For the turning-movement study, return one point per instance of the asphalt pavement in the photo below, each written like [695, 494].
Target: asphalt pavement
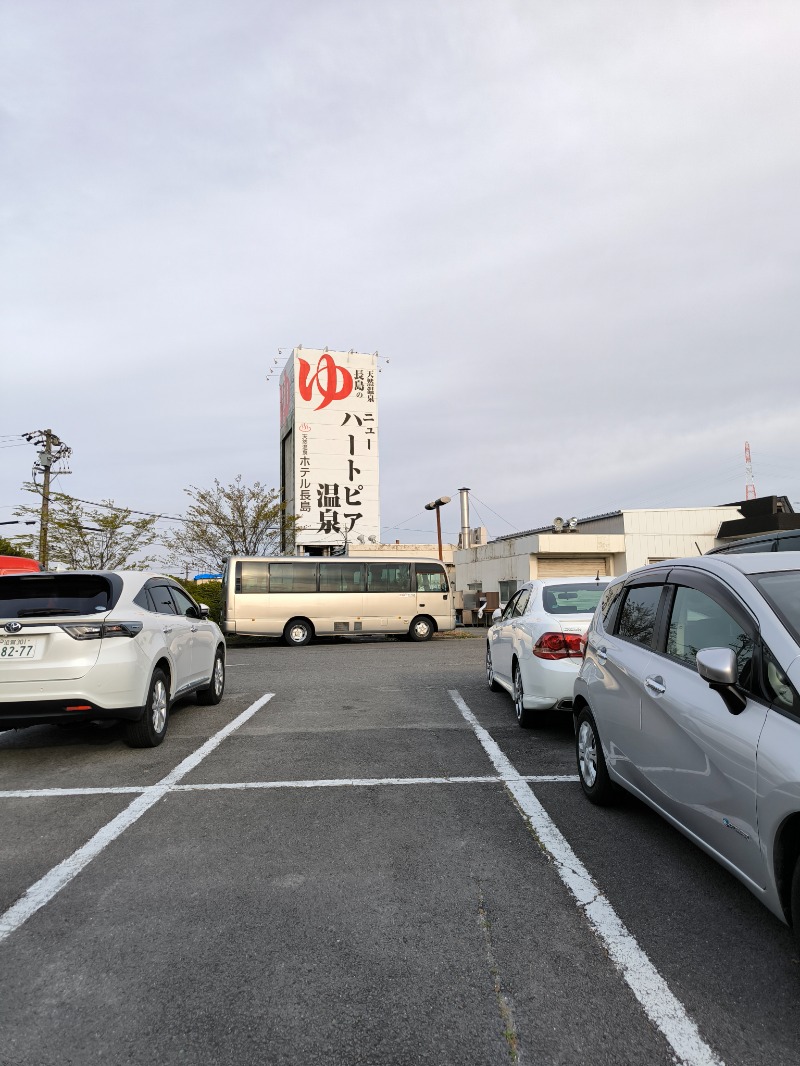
[358, 857]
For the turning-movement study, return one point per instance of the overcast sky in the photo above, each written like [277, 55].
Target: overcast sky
[571, 228]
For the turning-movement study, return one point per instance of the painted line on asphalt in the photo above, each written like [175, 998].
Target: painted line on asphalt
[60, 876]
[217, 786]
[661, 1006]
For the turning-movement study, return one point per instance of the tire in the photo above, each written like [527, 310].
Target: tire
[795, 903]
[524, 716]
[151, 728]
[592, 770]
[211, 695]
[298, 632]
[490, 679]
[421, 628]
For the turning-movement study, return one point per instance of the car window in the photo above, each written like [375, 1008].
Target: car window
[697, 622]
[788, 544]
[430, 577]
[521, 602]
[782, 593]
[574, 598]
[162, 599]
[758, 545]
[38, 595]
[637, 619]
[777, 687]
[184, 603]
[510, 607]
[388, 577]
[608, 602]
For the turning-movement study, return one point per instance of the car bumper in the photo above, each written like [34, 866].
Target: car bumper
[53, 712]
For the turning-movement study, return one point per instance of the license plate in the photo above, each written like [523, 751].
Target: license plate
[19, 648]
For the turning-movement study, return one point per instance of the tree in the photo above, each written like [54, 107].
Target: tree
[225, 520]
[93, 537]
[8, 547]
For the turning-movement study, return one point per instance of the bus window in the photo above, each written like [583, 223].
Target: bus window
[252, 577]
[430, 578]
[341, 577]
[292, 577]
[389, 577]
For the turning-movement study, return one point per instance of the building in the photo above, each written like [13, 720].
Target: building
[608, 545]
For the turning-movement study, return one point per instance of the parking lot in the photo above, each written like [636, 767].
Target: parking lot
[358, 857]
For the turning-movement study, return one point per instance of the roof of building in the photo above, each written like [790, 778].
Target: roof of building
[549, 528]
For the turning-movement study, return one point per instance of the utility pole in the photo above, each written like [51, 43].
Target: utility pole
[51, 449]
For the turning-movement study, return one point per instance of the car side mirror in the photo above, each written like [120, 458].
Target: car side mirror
[718, 666]
[497, 614]
[204, 610]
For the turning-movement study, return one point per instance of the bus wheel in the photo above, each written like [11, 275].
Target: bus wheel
[298, 632]
[421, 628]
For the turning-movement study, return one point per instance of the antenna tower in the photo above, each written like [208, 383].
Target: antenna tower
[749, 484]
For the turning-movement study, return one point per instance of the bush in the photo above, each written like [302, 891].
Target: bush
[208, 592]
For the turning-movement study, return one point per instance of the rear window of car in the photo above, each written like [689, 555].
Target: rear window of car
[574, 598]
[44, 595]
[782, 593]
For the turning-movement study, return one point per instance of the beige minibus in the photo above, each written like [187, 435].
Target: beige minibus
[301, 597]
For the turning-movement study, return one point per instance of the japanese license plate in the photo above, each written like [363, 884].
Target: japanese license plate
[19, 648]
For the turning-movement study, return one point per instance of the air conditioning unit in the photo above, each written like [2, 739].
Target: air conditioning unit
[477, 535]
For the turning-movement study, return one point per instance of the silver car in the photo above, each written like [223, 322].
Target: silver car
[688, 698]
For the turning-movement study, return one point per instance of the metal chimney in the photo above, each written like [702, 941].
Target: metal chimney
[465, 536]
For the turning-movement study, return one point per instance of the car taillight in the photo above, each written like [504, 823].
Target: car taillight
[98, 630]
[584, 642]
[558, 646]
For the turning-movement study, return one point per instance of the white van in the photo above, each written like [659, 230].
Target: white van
[299, 598]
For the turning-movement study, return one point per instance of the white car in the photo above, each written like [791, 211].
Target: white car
[535, 645]
[80, 646]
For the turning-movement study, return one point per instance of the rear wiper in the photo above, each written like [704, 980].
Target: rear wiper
[41, 612]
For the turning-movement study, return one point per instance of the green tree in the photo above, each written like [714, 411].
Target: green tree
[88, 537]
[9, 547]
[225, 520]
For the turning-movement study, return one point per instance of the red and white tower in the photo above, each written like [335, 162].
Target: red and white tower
[749, 484]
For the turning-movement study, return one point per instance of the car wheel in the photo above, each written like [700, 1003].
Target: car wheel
[524, 716]
[298, 632]
[490, 678]
[213, 693]
[421, 628]
[151, 728]
[795, 902]
[592, 770]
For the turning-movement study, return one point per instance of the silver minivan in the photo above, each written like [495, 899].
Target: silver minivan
[688, 698]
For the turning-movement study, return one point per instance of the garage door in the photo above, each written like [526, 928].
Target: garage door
[572, 566]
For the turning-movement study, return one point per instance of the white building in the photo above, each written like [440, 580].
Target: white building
[609, 544]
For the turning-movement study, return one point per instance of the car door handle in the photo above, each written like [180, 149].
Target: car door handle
[195, 628]
[601, 656]
[655, 685]
[167, 629]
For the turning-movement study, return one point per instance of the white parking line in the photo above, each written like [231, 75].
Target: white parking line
[48, 886]
[352, 782]
[663, 1009]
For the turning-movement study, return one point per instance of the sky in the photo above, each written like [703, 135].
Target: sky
[570, 229]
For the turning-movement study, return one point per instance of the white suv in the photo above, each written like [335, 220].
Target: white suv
[79, 646]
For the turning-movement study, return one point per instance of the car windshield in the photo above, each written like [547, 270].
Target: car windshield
[574, 598]
[782, 593]
[47, 595]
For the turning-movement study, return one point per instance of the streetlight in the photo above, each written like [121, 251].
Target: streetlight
[435, 505]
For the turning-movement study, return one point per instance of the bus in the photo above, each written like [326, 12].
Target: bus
[299, 598]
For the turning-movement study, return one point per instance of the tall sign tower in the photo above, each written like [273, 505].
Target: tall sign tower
[329, 448]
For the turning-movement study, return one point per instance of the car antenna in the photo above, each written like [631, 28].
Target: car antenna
[698, 548]
[597, 578]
